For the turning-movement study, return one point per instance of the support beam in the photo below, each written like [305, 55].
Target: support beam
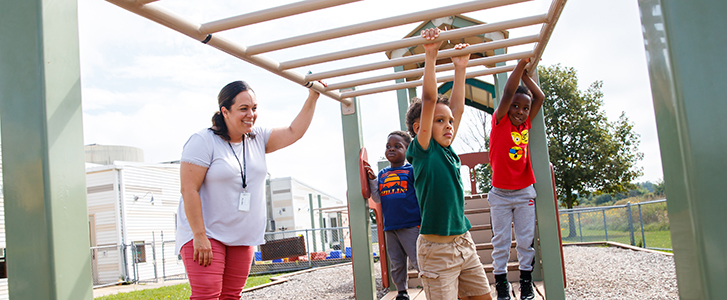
[685, 45]
[358, 209]
[379, 24]
[393, 63]
[44, 182]
[402, 101]
[412, 41]
[269, 14]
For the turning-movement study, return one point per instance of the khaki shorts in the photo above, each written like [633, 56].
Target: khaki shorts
[451, 269]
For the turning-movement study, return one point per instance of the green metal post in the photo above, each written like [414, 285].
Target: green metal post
[548, 250]
[320, 223]
[46, 219]
[403, 100]
[685, 45]
[500, 80]
[312, 221]
[358, 208]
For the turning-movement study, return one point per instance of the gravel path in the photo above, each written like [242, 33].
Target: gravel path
[592, 273]
[616, 273]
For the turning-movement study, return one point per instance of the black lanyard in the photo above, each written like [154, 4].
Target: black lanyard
[243, 170]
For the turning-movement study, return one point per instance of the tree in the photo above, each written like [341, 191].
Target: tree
[590, 154]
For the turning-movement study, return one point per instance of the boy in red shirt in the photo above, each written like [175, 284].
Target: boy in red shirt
[512, 197]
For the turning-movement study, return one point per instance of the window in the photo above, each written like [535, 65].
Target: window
[139, 251]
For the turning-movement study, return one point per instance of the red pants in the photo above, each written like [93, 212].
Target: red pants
[224, 278]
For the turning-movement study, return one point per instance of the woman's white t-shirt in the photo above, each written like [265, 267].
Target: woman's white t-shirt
[220, 191]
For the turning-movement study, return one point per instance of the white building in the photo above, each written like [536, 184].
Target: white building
[294, 205]
[133, 203]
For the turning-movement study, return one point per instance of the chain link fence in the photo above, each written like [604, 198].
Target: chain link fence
[283, 251]
[644, 224]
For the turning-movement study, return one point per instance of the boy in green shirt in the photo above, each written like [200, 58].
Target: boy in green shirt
[448, 262]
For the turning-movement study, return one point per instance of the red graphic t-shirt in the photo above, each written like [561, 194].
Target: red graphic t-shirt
[509, 159]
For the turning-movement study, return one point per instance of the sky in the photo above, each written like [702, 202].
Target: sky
[147, 86]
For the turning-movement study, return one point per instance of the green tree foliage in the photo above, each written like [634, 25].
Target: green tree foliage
[590, 154]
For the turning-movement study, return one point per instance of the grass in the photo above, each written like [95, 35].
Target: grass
[654, 239]
[179, 291]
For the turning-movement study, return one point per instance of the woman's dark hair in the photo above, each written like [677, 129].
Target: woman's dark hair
[225, 99]
[404, 136]
[415, 111]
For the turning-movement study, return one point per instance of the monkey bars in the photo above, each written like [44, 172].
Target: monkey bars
[210, 34]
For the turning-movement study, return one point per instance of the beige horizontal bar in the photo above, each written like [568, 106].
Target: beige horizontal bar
[451, 34]
[554, 12]
[270, 14]
[163, 16]
[178, 23]
[378, 24]
[416, 83]
[420, 58]
[439, 68]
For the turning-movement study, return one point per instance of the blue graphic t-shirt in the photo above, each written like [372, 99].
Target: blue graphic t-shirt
[398, 198]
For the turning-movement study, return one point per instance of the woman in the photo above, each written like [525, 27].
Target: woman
[222, 212]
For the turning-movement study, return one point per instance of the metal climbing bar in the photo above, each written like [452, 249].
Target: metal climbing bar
[270, 14]
[178, 23]
[416, 83]
[378, 24]
[439, 68]
[556, 8]
[446, 35]
[420, 58]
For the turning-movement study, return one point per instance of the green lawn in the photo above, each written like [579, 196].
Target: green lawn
[654, 239]
[179, 291]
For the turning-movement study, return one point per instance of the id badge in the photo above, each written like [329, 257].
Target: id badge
[244, 202]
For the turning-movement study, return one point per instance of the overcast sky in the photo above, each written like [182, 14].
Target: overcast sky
[147, 86]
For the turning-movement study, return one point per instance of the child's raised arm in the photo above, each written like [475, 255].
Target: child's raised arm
[456, 101]
[429, 87]
[538, 96]
[510, 87]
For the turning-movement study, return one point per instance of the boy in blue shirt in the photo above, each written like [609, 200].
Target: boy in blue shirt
[394, 189]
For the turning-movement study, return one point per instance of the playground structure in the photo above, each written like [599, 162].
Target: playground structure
[42, 144]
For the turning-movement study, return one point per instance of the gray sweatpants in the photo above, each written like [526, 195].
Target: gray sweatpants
[401, 243]
[509, 207]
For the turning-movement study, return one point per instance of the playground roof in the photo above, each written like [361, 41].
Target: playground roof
[210, 33]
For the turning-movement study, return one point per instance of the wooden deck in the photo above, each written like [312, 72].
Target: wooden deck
[418, 294]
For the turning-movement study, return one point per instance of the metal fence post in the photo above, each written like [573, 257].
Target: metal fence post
[641, 221]
[164, 269]
[133, 262]
[605, 225]
[631, 223]
[307, 241]
[154, 255]
[580, 230]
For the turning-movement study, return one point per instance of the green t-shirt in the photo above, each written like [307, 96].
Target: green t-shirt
[439, 188]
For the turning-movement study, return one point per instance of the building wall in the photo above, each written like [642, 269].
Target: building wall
[291, 210]
[102, 200]
[151, 196]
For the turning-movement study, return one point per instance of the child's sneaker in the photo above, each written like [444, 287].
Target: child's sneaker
[402, 295]
[503, 290]
[526, 290]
